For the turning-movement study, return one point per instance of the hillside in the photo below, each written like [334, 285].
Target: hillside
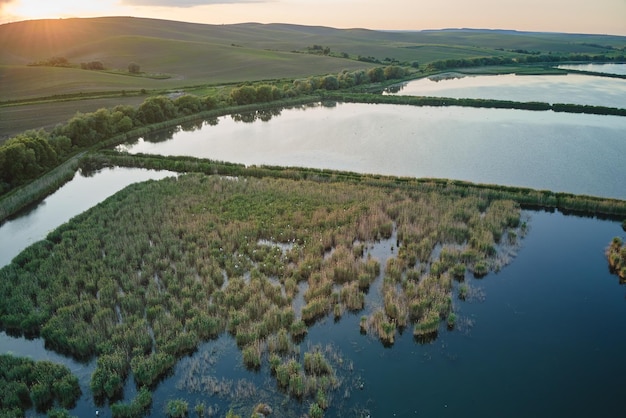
[196, 53]
[177, 55]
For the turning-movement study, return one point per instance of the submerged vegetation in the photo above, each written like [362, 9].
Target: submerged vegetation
[141, 279]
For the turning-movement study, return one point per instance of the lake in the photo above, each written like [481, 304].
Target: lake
[596, 68]
[542, 337]
[562, 152]
[73, 198]
[571, 88]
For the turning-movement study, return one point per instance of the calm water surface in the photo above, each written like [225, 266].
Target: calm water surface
[570, 88]
[581, 154]
[597, 68]
[70, 200]
[543, 337]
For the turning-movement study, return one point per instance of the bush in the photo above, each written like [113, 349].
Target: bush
[177, 408]
[315, 411]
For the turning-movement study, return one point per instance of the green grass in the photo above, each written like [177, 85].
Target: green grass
[176, 55]
[47, 114]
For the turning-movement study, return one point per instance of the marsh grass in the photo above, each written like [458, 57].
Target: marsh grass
[616, 255]
[143, 278]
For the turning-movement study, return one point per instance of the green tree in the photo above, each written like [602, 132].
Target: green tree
[134, 68]
[156, 109]
[376, 74]
[244, 95]
[330, 82]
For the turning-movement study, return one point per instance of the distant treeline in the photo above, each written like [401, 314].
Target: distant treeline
[27, 156]
[525, 59]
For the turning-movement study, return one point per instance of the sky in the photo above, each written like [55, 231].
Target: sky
[573, 16]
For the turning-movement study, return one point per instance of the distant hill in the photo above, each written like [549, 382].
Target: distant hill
[115, 40]
[177, 55]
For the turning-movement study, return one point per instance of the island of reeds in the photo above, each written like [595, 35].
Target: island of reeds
[143, 278]
[616, 254]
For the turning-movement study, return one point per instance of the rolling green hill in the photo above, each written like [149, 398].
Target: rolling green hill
[177, 55]
[196, 53]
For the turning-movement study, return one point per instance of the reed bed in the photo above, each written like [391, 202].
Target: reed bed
[143, 278]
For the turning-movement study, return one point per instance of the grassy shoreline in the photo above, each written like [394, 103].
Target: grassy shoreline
[22, 197]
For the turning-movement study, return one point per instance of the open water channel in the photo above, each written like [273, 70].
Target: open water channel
[545, 336]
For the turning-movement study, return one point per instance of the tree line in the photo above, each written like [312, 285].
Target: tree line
[32, 153]
[249, 94]
[527, 59]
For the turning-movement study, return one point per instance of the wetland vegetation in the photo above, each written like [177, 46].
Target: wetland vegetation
[257, 253]
[214, 254]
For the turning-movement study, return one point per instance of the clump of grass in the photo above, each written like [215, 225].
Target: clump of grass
[463, 291]
[177, 408]
[316, 411]
[298, 329]
[385, 329]
[252, 356]
[363, 324]
[451, 320]
[480, 269]
[352, 297]
[458, 271]
[316, 364]
[428, 324]
[616, 255]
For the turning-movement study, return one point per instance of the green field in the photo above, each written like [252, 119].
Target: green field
[182, 56]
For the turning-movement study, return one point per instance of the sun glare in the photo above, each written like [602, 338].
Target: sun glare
[40, 9]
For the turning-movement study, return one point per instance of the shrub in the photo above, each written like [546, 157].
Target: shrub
[177, 408]
[316, 411]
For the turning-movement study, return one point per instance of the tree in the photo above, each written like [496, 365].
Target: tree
[133, 68]
[244, 95]
[330, 82]
[156, 109]
[376, 74]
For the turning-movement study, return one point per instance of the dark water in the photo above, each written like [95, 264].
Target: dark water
[543, 337]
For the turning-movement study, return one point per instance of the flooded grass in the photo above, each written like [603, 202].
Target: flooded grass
[143, 279]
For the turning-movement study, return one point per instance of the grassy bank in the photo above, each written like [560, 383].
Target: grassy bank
[539, 199]
[479, 103]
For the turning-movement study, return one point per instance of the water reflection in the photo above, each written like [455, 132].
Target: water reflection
[561, 152]
[571, 88]
[619, 69]
[264, 115]
[73, 198]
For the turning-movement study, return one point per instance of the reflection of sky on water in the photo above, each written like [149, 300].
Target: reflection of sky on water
[575, 153]
[597, 68]
[572, 88]
[70, 200]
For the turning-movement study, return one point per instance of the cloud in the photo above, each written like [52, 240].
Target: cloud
[179, 3]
